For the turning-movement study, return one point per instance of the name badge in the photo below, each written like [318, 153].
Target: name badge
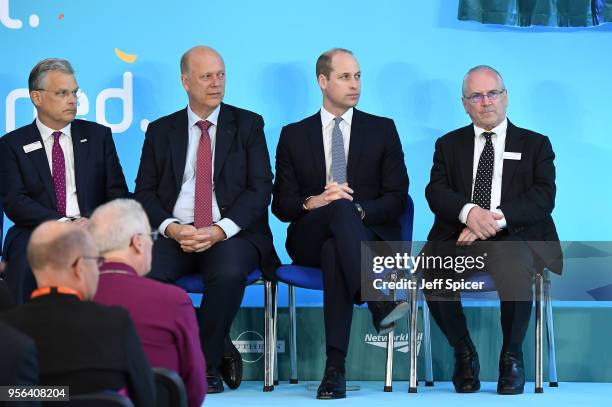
[511, 156]
[32, 147]
[84, 140]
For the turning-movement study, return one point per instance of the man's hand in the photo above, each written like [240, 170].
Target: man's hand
[194, 240]
[466, 237]
[483, 223]
[333, 191]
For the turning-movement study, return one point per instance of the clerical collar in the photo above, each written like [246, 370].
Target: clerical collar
[40, 292]
[117, 267]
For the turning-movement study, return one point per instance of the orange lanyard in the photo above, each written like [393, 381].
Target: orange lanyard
[52, 290]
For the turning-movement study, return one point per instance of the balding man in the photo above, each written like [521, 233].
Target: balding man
[163, 314]
[492, 191]
[81, 344]
[55, 168]
[206, 183]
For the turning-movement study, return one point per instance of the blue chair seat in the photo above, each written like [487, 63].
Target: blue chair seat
[300, 276]
[193, 283]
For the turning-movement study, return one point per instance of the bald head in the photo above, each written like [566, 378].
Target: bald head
[197, 51]
[56, 245]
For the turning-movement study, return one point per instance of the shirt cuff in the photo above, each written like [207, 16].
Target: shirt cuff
[229, 227]
[501, 223]
[463, 215]
[64, 219]
[164, 225]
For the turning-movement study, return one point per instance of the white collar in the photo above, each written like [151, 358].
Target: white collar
[194, 118]
[500, 129]
[327, 117]
[46, 132]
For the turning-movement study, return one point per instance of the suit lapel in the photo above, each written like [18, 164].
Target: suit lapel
[315, 139]
[178, 141]
[359, 134]
[514, 143]
[80, 148]
[466, 155]
[39, 159]
[226, 132]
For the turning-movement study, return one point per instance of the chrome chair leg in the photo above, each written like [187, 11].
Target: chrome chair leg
[429, 381]
[539, 305]
[412, 383]
[389, 366]
[269, 335]
[292, 336]
[550, 334]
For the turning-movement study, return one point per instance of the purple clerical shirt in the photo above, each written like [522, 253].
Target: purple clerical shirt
[165, 321]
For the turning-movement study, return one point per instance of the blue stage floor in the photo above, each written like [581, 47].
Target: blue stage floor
[371, 395]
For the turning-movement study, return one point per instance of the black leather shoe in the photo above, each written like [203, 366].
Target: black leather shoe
[333, 385]
[231, 365]
[385, 313]
[215, 384]
[511, 373]
[467, 367]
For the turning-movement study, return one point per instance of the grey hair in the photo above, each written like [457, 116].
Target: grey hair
[113, 224]
[324, 61]
[479, 68]
[38, 75]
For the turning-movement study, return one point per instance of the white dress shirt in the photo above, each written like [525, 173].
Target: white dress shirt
[65, 140]
[499, 144]
[184, 206]
[327, 122]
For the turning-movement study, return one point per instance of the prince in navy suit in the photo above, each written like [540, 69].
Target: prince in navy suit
[56, 168]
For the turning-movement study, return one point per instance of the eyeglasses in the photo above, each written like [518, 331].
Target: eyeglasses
[98, 259]
[153, 235]
[479, 97]
[64, 93]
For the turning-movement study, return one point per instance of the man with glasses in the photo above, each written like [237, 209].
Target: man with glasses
[163, 314]
[492, 191]
[55, 168]
[86, 346]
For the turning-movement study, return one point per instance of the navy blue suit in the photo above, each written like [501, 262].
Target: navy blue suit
[28, 195]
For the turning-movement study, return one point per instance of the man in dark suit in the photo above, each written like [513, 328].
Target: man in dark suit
[492, 190]
[81, 344]
[19, 362]
[56, 168]
[205, 182]
[341, 180]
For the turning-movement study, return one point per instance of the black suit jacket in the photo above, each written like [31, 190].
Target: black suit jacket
[527, 193]
[87, 346]
[18, 358]
[242, 174]
[375, 171]
[27, 191]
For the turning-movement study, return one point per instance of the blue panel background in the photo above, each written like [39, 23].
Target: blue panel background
[412, 54]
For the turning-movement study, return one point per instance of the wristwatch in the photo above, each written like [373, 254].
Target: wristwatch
[360, 210]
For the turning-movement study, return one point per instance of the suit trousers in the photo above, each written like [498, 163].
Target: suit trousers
[330, 238]
[224, 269]
[18, 274]
[511, 264]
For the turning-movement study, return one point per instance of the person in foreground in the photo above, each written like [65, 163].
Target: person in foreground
[492, 191]
[341, 180]
[81, 344]
[163, 314]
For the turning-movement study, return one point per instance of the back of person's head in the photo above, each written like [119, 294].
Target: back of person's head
[121, 231]
[63, 254]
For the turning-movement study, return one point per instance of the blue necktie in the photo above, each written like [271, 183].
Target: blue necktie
[338, 166]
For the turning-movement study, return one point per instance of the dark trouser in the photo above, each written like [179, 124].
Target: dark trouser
[512, 268]
[18, 274]
[224, 268]
[330, 238]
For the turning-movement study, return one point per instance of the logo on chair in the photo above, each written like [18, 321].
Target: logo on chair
[401, 341]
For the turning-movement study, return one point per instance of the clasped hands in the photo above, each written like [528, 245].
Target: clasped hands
[332, 192]
[481, 225]
[194, 240]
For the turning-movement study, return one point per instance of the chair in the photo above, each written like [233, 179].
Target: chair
[542, 290]
[169, 388]
[102, 399]
[193, 283]
[312, 279]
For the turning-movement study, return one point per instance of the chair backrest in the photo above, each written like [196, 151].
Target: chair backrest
[170, 389]
[1, 227]
[407, 221]
[103, 399]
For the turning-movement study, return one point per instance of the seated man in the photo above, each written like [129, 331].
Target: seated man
[81, 344]
[163, 314]
[6, 299]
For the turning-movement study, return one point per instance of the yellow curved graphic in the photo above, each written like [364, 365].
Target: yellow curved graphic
[125, 57]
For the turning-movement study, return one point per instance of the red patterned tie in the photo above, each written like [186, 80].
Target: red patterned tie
[202, 210]
[59, 173]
